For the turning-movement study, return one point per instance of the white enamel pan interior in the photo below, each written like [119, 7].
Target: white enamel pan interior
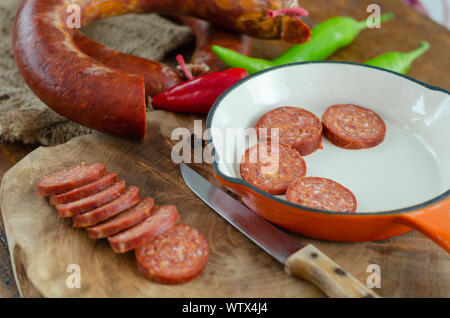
[410, 167]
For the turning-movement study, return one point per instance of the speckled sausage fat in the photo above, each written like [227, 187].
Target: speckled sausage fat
[353, 127]
[207, 35]
[321, 193]
[270, 168]
[297, 128]
[178, 255]
[157, 76]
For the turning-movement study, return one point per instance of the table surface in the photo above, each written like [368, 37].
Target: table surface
[402, 34]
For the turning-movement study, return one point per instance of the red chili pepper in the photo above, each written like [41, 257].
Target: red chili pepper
[199, 94]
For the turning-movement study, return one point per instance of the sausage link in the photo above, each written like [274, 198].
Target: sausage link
[157, 76]
[98, 96]
[250, 17]
[207, 35]
[321, 193]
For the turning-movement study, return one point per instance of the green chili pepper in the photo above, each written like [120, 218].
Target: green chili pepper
[399, 62]
[234, 59]
[327, 37]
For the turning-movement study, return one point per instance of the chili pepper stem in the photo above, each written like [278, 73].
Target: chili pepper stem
[234, 59]
[423, 47]
[383, 18]
[399, 62]
[187, 73]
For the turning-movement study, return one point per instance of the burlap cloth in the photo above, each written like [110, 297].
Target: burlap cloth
[23, 117]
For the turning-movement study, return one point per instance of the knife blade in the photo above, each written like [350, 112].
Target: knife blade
[303, 261]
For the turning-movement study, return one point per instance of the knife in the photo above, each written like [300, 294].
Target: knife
[303, 261]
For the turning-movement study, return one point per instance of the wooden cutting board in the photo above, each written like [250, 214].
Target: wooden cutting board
[42, 246]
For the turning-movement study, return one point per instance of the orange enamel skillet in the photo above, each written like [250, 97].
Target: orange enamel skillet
[412, 193]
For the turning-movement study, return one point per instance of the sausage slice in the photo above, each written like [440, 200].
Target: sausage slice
[176, 256]
[104, 212]
[297, 128]
[353, 127]
[69, 179]
[123, 221]
[271, 168]
[84, 191]
[92, 202]
[321, 193]
[163, 219]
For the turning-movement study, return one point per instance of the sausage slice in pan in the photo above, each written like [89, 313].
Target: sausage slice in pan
[321, 193]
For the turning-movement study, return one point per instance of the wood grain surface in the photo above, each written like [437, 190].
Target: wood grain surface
[412, 266]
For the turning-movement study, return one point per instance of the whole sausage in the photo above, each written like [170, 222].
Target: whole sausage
[250, 17]
[321, 193]
[92, 202]
[129, 198]
[123, 221]
[207, 35]
[69, 179]
[353, 127]
[163, 219]
[157, 76]
[271, 168]
[84, 191]
[104, 98]
[176, 256]
[297, 128]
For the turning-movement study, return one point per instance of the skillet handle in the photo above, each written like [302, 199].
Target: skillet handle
[433, 221]
[312, 265]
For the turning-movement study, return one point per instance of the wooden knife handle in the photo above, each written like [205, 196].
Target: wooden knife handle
[311, 264]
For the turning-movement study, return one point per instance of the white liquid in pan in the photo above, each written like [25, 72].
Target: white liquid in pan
[399, 172]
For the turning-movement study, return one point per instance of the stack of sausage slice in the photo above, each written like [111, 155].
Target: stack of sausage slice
[107, 208]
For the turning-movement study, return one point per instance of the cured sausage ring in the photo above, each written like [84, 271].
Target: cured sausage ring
[105, 98]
